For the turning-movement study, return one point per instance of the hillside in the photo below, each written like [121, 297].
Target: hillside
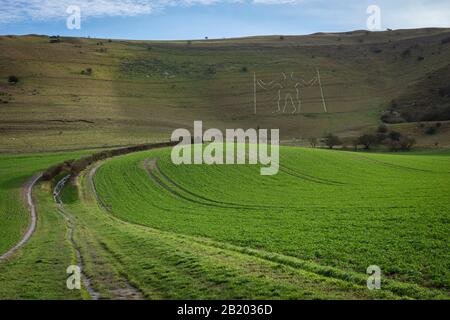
[78, 92]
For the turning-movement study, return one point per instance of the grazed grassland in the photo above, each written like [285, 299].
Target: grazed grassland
[139, 91]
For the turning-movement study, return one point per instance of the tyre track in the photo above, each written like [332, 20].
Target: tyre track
[310, 178]
[57, 197]
[396, 166]
[128, 291]
[27, 191]
[151, 166]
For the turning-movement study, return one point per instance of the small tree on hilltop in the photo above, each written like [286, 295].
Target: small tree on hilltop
[330, 140]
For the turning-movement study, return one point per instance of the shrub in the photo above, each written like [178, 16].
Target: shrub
[431, 130]
[394, 135]
[13, 79]
[54, 39]
[445, 40]
[406, 143]
[406, 53]
[313, 142]
[367, 140]
[444, 92]
[438, 125]
[331, 140]
[87, 72]
[211, 70]
[244, 69]
[281, 37]
[382, 129]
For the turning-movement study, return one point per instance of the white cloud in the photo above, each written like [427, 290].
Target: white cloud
[18, 10]
[396, 14]
[417, 14]
[277, 2]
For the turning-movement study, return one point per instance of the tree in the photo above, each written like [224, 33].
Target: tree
[406, 143]
[382, 129]
[330, 140]
[431, 130]
[13, 79]
[355, 143]
[368, 140]
[394, 135]
[313, 142]
[87, 72]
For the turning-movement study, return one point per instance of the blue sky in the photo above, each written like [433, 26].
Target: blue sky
[194, 19]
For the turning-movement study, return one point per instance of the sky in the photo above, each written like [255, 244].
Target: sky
[197, 19]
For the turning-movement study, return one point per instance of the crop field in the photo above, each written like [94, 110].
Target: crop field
[343, 211]
[145, 228]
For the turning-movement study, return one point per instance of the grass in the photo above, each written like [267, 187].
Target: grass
[225, 232]
[38, 270]
[15, 170]
[334, 209]
[168, 265]
[136, 95]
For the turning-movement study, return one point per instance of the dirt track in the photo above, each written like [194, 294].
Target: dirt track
[27, 190]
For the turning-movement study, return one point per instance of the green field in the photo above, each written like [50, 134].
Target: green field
[15, 170]
[155, 230]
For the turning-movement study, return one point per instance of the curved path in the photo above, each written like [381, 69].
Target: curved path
[57, 196]
[28, 194]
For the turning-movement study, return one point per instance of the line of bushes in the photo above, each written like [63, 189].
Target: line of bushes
[74, 167]
[393, 140]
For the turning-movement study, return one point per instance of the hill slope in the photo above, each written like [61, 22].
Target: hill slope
[139, 91]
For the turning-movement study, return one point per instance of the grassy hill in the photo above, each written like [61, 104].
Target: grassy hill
[77, 93]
